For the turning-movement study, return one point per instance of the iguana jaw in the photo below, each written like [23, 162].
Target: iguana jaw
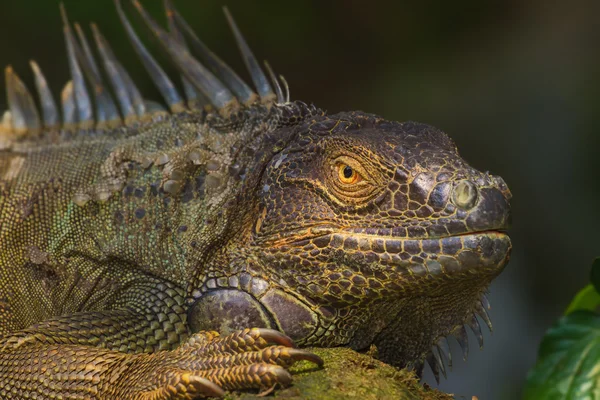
[403, 295]
[485, 252]
[421, 257]
[437, 300]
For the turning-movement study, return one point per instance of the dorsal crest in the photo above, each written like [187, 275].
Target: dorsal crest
[101, 94]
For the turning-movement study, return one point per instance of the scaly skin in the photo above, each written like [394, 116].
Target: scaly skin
[122, 250]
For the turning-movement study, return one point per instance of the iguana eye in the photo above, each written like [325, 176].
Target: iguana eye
[349, 181]
[348, 175]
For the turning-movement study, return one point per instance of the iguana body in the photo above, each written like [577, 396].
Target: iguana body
[124, 236]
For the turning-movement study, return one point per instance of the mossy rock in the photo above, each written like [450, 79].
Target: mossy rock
[349, 375]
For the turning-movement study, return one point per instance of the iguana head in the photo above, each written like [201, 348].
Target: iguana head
[378, 232]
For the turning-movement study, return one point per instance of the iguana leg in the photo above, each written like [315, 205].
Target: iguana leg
[125, 330]
[203, 366]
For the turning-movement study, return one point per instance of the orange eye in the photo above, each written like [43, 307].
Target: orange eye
[348, 175]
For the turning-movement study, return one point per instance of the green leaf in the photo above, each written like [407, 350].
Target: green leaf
[568, 365]
[595, 274]
[588, 298]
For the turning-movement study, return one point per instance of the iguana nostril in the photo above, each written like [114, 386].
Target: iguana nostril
[465, 195]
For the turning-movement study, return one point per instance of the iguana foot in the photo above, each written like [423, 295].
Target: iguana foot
[207, 364]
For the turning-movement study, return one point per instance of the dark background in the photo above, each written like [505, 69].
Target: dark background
[515, 83]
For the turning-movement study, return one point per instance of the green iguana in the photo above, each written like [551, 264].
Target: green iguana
[157, 253]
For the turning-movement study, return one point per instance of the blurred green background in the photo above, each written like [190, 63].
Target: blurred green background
[515, 83]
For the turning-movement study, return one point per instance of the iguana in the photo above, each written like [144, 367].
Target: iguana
[156, 253]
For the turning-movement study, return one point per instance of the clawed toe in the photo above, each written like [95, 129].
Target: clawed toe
[204, 387]
[179, 384]
[255, 376]
[238, 342]
[271, 336]
[297, 355]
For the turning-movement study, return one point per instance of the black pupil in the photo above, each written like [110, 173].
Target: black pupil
[348, 172]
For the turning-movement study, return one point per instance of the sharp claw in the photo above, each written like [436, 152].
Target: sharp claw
[273, 336]
[298, 355]
[282, 376]
[264, 393]
[206, 387]
[182, 384]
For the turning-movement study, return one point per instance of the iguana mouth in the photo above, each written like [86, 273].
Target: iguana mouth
[400, 233]
[484, 251]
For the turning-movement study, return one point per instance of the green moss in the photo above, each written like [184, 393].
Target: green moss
[346, 375]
